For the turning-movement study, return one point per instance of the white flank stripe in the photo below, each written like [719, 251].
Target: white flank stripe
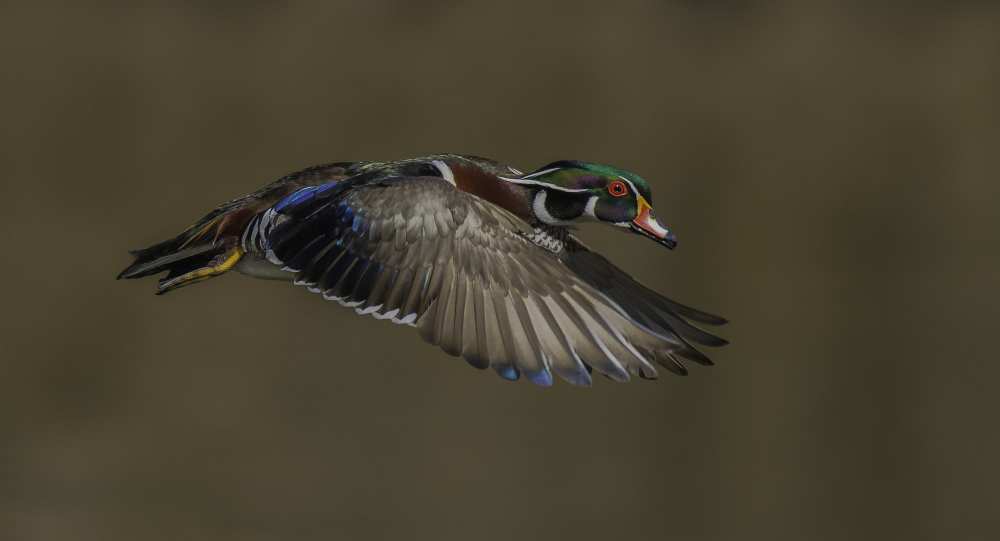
[446, 171]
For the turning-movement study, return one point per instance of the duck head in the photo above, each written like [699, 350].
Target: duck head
[570, 192]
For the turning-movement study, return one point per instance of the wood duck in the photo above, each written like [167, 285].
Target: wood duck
[475, 254]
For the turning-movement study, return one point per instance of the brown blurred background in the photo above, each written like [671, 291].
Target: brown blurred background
[830, 167]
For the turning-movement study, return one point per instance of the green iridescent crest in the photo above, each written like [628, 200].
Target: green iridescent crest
[577, 176]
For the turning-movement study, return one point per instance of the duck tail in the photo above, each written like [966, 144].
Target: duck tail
[209, 248]
[213, 245]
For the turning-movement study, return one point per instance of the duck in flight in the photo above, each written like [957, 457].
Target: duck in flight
[476, 255]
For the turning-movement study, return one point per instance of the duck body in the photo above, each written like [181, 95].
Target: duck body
[471, 174]
[476, 255]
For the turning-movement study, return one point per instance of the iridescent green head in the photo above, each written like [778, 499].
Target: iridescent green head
[573, 191]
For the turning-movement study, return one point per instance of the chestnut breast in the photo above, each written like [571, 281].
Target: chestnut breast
[486, 185]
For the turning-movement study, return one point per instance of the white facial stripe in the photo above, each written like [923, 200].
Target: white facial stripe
[542, 172]
[634, 191]
[528, 182]
[446, 172]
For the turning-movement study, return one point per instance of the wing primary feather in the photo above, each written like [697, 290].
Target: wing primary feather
[494, 334]
[565, 363]
[648, 372]
[308, 252]
[436, 281]
[691, 332]
[506, 334]
[531, 357]
[444, 321]
[312, 273]
[692, 353]
[692, 313]
[454, 321]
[335, 273]
[400, 290]
[582, 343]
[365, 286]
[381, 282]
[643, 365]
[609, 365]
[480, 356]
[416, 287]
[361, 288]
[671, 362]
[472, 348]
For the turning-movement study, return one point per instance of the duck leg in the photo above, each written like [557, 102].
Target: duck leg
[220, 264]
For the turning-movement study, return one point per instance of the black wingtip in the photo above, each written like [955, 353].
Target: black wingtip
[703, 317]
[670, 362]
[694, 314]
[691, 332]
[692, 353]
[715, 342]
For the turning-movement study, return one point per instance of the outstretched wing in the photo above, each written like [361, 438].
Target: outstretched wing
[473, 278]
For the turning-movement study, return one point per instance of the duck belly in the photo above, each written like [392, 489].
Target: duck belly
[259, 267]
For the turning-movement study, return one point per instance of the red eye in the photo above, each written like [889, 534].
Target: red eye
[618, 188]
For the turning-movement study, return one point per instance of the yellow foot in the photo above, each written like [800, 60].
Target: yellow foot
[221, 264]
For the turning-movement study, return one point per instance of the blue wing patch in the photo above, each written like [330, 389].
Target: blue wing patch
[303, 196]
